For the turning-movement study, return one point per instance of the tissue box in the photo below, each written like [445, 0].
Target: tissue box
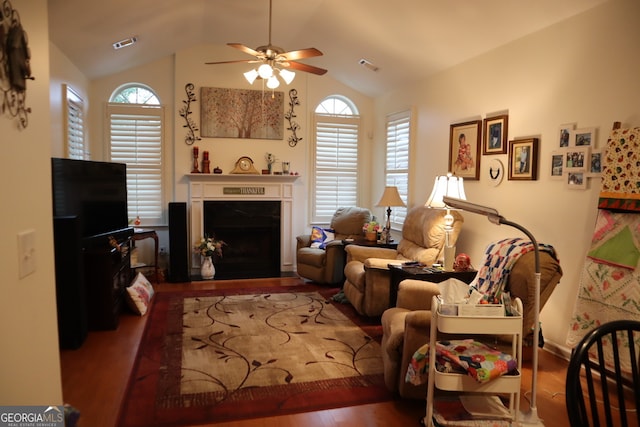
[483, 310]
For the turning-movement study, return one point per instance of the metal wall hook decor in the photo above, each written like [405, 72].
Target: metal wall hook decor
[290, 115]
[185, 112]
[15, 60]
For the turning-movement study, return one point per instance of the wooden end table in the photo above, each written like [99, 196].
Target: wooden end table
[400, 272]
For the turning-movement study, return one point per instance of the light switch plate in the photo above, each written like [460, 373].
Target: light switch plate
[26, 253]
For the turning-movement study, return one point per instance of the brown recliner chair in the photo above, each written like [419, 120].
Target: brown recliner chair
[326, 266]
[406, 326]
[367, 273]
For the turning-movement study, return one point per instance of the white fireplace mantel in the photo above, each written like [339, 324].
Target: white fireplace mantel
[205, 187]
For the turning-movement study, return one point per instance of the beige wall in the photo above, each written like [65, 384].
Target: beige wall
[583, 70]
[29, 360]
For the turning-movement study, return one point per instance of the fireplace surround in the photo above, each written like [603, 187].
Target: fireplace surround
[204, 188]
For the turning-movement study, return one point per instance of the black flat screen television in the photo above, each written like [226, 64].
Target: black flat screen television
[95, 192]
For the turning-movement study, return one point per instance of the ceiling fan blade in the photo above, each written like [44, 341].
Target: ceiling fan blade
[307, 68]
[248, 61]
[245, 49]
[301, 54]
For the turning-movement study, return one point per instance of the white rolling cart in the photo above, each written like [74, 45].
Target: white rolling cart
[475, 324]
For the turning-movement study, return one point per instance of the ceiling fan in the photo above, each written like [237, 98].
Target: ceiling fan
[276, 59]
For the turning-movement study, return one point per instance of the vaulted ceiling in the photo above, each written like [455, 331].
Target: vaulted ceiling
[407, 39]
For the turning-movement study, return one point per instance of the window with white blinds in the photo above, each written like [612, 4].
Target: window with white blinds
[136, 138]
[335, 166]
[74, 130]
[398, 127]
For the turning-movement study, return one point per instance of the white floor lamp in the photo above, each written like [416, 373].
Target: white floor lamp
[530, 418]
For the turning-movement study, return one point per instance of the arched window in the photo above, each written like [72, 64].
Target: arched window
[335, 169]
[135, 135]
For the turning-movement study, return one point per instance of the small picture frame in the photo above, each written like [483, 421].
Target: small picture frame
[576, 159]
[584, 137]
[564, 134]
[594, 168]
[464, 149]
[523, 159]
[576, 180]
[495, 131]
[557, 164]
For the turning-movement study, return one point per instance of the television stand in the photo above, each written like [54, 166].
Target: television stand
[107, 272]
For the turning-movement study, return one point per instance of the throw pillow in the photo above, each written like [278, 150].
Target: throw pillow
[321, 236]
[139, 294]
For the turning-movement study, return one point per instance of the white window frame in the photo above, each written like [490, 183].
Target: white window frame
[398, 138]
[74, 129]
[335, 162]
[145, 165]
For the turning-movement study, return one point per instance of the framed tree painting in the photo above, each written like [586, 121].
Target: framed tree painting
[495, 131]
[523, 159]
[464, 149]
[241, 113]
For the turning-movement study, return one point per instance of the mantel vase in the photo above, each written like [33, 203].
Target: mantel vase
[207, 269]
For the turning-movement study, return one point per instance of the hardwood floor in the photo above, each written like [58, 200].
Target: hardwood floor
[94, 379]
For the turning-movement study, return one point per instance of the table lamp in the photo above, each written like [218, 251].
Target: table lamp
[389, 198]
[530, 418]
[446, 186]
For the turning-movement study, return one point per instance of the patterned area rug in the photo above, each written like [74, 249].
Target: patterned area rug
[209, 356]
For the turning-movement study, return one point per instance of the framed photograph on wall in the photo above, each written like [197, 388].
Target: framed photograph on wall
[495, 131]
[557, 164]
[576, 180]
[564, 134]
[585, 137]
[464, 149]
[576, 159]
[523, 159]
[594, 168]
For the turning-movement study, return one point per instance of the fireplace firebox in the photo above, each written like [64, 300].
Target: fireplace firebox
[251, 230]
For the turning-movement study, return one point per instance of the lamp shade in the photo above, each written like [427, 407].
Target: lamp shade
[251, 76]
[390, 197]
[445, 185]
[287, 76]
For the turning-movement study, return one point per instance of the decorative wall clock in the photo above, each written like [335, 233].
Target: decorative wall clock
[15, 58]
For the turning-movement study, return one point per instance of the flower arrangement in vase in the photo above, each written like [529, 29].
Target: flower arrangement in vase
[207, 248]
[371, 230]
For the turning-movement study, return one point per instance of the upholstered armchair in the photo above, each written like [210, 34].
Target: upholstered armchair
[326, 265]
[367, 273]
[406, 326]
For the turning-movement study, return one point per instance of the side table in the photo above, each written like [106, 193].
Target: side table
[146, 233]
[371, 243]
[400, 272]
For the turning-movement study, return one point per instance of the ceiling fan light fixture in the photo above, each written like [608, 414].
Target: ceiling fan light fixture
[272, 82]
[265, 71]
[251, 76]
[287, 75]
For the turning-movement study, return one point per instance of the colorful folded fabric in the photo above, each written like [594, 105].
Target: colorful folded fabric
[476, 359]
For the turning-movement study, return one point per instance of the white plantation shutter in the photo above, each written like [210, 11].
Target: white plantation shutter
[135, 135]
[397, 161]
[74, 131]
[336, 165]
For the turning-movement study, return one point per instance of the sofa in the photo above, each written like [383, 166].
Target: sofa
[325, 264]
[367, 277]
[406, 326]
